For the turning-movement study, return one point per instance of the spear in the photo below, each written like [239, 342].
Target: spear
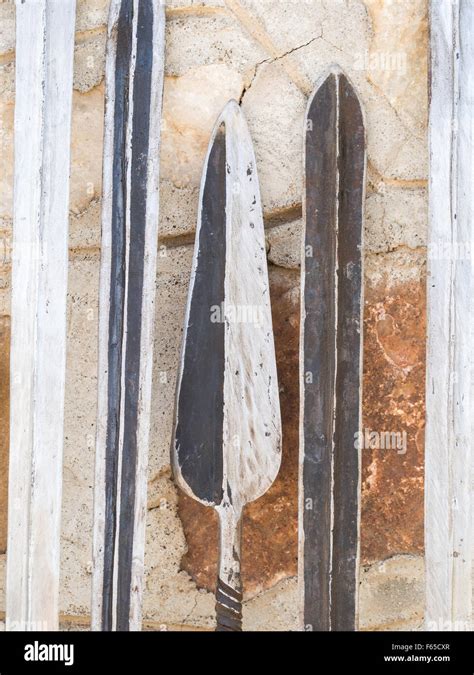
[227, 443]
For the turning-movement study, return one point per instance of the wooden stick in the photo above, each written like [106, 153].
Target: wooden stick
[449, 454]
[44, 69]
[134, 84]
[331, 356]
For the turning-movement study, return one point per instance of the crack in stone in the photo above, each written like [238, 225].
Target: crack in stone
[188, 615]
[273, 59]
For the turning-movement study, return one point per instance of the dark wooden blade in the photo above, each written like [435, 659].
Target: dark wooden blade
[200, 407]
[134, 83]
[331, 356]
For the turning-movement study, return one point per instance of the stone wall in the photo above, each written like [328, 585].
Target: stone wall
[266, 54]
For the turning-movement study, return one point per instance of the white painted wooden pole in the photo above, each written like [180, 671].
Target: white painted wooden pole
[449, 453]
[44, 66]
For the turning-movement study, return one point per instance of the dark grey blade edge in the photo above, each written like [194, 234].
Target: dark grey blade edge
[346, 470]
[319, 352]
[135, 277]
[117, 289]
[200, 403]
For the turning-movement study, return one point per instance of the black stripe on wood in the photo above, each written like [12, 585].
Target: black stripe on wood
[335, 164]
[200, 406]
[351, 166]
[135, 273]
[319, 355]
[117, 295]
[122, 275]
[228, 608]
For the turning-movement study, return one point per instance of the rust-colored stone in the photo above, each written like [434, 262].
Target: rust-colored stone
[270, 529]
[4, 425]
[394, 396]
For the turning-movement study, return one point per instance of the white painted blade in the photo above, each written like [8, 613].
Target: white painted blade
[252, 422]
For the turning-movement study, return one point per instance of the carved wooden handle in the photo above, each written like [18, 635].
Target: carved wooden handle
[228, 608]
[229, 584]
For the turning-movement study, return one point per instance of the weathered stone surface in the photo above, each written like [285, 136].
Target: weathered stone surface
[5, 280]
[397, 61]
[189, 115]
[178, 209]
[392, 594]
[395, 67]
[395, 217]
[79, 434]
[393, 148]
[275, 109]
[287, 24]
[91, 14]
[306, 37]
[89, 62]
[194, 41]
[174, 270]
[195, 5]
[269, 549]
[4, 425]
[284, 245]
[86, 148]
[275, 610]
[7, 82]
[393, 401]
[7, 110]
[171, 596]
[294, 23]
[191, 106]
[7, 27]
[399, 267]
[85, 229]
